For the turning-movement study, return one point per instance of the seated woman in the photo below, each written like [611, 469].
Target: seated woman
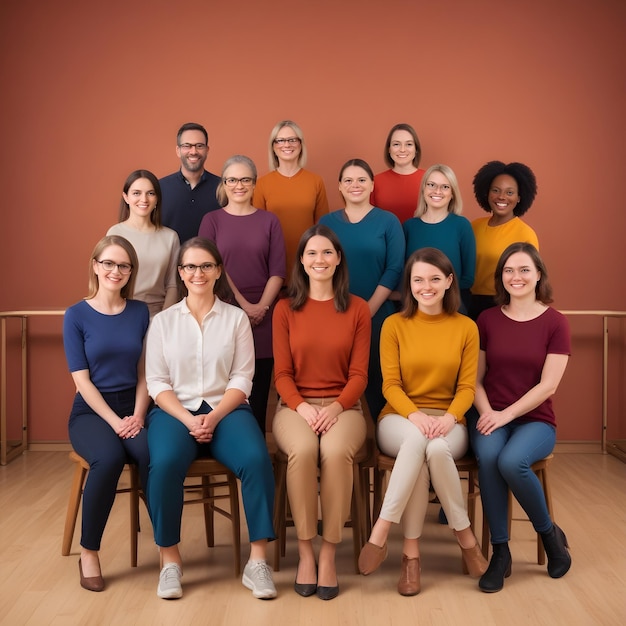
[103, 338]
[524, 349]
[321, 351]
[200, 363]
[156, 245]
[428, 391]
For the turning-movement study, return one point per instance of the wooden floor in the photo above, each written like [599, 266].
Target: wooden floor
[39, 586]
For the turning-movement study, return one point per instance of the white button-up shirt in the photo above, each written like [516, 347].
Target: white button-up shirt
[199, 362]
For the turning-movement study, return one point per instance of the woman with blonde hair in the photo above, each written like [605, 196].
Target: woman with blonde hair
[103, 337]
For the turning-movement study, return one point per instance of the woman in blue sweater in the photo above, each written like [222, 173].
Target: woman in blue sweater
[373, 244]
[103, 338]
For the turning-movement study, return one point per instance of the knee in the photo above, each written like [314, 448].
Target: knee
[437, 449]
[511, 466]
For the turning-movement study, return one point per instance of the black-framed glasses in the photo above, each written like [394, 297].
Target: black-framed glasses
[109, 266]
[190, 268]
[246, 181]
[292, 141]
[188, 146]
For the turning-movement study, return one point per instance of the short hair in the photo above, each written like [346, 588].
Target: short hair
[128, 289]
[192, 126]
[543, 288]
[456, 202]
[418, 148]
[432, 256]
[221, 289]
[222, 198]
[298, 290]
[155, 216]
[356, 163]
[523, 175]
[273, 159]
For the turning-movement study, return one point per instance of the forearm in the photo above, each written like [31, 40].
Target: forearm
[169, 402]
[98, 404]
[271, 291]
[231, 399]
[378, 297]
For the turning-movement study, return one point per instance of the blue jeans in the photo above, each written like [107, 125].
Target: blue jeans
[106, 454]
[504, 460]
[237, 443]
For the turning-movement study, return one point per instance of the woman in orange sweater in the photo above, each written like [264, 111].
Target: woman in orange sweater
[321, 337]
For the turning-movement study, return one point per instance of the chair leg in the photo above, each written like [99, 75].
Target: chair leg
[279, 511]
[234, 514]
[134, 512]
[542, 475]
[209, 510]
[72, 508]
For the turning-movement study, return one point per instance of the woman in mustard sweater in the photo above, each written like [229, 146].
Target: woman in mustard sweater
[429, 359]
[321, 349]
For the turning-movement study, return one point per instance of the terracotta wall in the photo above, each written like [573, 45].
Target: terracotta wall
[93, 92]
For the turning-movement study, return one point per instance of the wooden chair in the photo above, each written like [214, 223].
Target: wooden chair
[76, 492]
[465, 465]
[360, 517]
[207, 492]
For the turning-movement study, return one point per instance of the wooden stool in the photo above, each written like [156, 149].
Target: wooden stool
[76, 492]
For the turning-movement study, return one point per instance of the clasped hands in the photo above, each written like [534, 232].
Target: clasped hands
[130, 427]
[491, 420]
[432, 426]
[320, 418]
[202, 427]
[256, 313]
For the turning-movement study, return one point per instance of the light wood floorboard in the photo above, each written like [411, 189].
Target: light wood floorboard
[39, 587]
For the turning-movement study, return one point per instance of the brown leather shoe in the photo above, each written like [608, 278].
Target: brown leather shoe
[371, 557]
[409, 583]
[474, 561]
[93, 583]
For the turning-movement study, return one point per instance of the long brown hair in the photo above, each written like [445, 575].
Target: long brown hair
[299, 285]
[155, 216]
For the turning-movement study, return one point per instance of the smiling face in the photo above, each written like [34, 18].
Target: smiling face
[241, 192]
[402, 148]
[503, 198]
[193, 157]
[437, 191]
[141, 198]
[356, 185]
[199, 283]
[520, 275]
[287, 146]
[320, 259]
[112, 280]
[428, 286]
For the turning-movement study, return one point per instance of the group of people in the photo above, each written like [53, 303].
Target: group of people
[209, 284]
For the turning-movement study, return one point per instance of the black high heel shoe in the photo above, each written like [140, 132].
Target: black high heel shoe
[304, 589]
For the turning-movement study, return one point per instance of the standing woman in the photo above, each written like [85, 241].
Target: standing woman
[429, 355]
[321, 348]
[252, 245]
[295, 195]
[156, 245]
[506, 192]
[373, 242]
[438, 223]
[200, 361]
[103, 338]
[397, 189]
[524, 349]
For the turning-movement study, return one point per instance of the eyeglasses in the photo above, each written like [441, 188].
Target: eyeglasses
[109, 266]
[188, 146]
[190, 268]
[246, 181]
[292, 141]
[436, 187]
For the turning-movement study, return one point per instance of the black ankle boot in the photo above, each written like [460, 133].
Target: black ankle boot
[499, 569]
[555, 544]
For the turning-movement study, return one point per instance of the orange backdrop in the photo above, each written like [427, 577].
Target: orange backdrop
[91, 93]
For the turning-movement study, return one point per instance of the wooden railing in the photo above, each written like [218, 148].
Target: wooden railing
[9, 450]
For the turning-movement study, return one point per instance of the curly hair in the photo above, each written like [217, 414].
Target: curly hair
[523, 175]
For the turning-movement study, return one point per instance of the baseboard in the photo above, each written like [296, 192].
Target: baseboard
[50, 446]
[578, 447]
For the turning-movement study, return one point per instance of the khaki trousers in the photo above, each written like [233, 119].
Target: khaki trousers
[334, 453]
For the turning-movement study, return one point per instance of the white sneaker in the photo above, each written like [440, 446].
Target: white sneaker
[257, 575]
[169, 582]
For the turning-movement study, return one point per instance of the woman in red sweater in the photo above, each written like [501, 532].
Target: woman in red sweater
[321, 338]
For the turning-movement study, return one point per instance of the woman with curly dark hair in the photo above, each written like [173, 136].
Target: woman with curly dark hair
[506, 191]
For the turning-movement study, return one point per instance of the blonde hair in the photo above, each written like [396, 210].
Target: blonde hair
[128, 289]
[273, 159]
[456, 203]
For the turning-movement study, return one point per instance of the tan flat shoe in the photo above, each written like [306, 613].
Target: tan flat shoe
[474, 561]
[371, 557]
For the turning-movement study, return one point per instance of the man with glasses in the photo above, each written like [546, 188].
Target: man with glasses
[189, 194]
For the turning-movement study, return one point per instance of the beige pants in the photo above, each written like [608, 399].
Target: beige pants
[419, 461]
[334, 453]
